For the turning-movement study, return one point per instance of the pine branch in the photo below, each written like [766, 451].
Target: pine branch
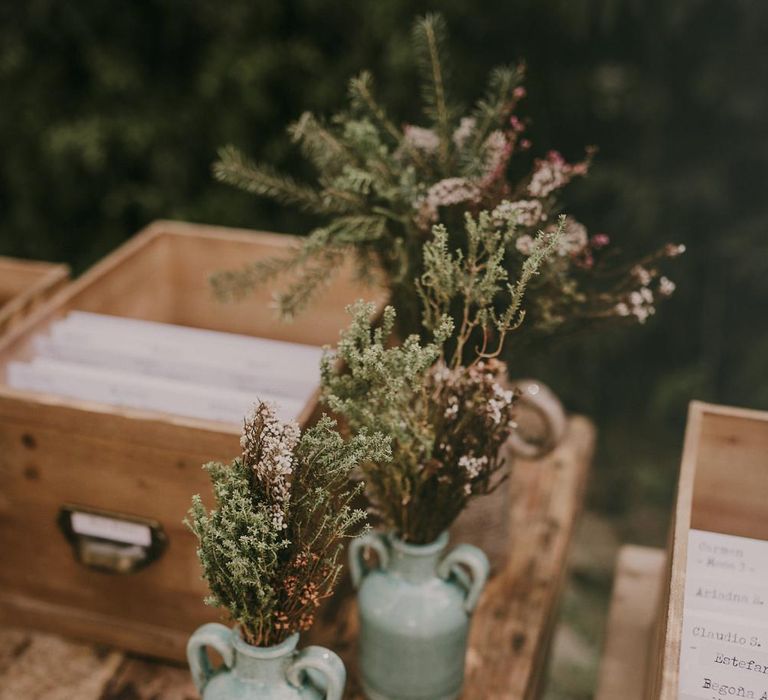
[356, 230]
[429, 39]
[353, 180]
[320, 146]
[326, 244]
[380, 188]
[235, 169]
[362, 99]
[236, 285]
[297, 296]
[492, 110]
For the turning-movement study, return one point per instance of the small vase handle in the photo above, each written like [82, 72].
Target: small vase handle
[216, 636]
[473, 559]
[357, 568]
[540, 399]
[313, 661]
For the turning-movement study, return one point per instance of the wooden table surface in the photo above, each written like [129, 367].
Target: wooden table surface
[511, 629]
[625, 666]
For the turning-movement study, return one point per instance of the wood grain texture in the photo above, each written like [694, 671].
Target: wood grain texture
[513, 625]
[628, 645]
[723, 487]
[25, 284]
[511, 629]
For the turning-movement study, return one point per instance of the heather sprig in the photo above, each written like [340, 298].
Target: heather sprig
[488, 302]
[447, 420]
[382, 185]
[269, 549]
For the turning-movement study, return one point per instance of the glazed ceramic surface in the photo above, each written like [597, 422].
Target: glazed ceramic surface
[415, 609]
[262, 673]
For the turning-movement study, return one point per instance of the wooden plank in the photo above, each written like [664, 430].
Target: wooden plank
[24, 284]
[513, 624]
[629, 637]
[666, 652]
[512, 627]
[730, 488]
[157, 640]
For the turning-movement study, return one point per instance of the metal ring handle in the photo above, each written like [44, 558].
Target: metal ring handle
[542, 400]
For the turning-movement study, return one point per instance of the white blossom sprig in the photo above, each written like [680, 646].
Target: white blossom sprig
[270, 548]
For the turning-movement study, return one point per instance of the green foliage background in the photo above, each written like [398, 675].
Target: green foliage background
[111, 113]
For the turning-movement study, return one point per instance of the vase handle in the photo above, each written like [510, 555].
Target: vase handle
[539, 398]
[357, 568]
[314, 662]
[473, 559]
[216, 636]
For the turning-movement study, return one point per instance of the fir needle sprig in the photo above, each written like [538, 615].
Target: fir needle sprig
[382, 185]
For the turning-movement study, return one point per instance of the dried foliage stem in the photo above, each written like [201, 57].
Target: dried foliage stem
[447, 420]
[270, 548]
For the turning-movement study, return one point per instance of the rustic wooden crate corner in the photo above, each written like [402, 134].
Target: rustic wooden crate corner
[510, 635]
[24, 285]
[56, 451]
[723, 487]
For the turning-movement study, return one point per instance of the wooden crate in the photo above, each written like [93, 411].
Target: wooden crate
[56, 451]
[723, 488]
[637, 584]
[509, 640]
[24, 284]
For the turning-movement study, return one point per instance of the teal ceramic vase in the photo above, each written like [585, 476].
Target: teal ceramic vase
[262, 673]
[415, 610]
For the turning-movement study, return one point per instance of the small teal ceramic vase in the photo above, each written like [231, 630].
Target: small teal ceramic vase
[415, 609]
[262, 673]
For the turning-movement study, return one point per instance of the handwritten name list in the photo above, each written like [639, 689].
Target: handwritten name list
[725, 620]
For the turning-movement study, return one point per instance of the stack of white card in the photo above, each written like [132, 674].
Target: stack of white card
[163, 367]
[724, 649]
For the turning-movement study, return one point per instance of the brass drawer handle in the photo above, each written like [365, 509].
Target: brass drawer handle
[111, 542]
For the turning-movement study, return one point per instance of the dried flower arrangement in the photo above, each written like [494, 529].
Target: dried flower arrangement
[447, 419]
[270, 549]
[380, 188]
